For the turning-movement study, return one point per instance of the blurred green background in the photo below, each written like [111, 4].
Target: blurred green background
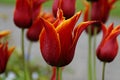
[38, 68]
[79, 5]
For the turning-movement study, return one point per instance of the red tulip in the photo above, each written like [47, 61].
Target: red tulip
[4, 56]
[4, 51]
[26, 11]
[99, 11]
[108, 48]
[68, 7]
[58, 42]
[23, 14]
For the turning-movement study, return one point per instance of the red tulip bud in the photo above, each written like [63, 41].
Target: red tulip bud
[4, 56]
[68, 7]
[108, 47]
[22, 14]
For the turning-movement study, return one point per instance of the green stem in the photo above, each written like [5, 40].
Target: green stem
[94, 49]
[26, 76]
[57, 73]
[28, 59]
[89, 55]
[61, 73]
[22, 47]
[103, 71]
[29, 53]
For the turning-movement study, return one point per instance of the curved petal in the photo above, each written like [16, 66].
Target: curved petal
[65, 30]
[106, 31]
[86, 11]
[115, 32]
[50, 43]
[78, 30]
[4, 33]
[11, 50]
[71, 50]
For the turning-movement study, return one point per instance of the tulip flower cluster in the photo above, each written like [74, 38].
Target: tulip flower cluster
[57, 33]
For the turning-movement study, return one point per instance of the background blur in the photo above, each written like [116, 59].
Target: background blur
[76, 70]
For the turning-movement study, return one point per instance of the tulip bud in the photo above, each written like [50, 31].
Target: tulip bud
[68, 7]
[4, 56]
[34, 31]
[108, 47]
[22, 14]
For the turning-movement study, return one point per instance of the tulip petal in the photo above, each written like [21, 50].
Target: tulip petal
[50, 44]
[108, 48]
[5, 54]
[11, 50]
[59, 19]
[4, 33]
[78, 30]
[105, 51]
[65, 30]
[106, 31]
[86, 11]
[115, 33]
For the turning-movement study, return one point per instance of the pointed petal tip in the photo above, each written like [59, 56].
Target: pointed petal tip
[11, 50]
[4, 33]
[59, 13]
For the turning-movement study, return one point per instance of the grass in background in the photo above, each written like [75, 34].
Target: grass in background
[79, 5]
[116, 10]
[8, 2]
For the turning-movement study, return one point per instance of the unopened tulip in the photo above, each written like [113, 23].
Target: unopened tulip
[4, 52]
[26, 11]
[68, 7]
[23, 14]
[108, 47]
